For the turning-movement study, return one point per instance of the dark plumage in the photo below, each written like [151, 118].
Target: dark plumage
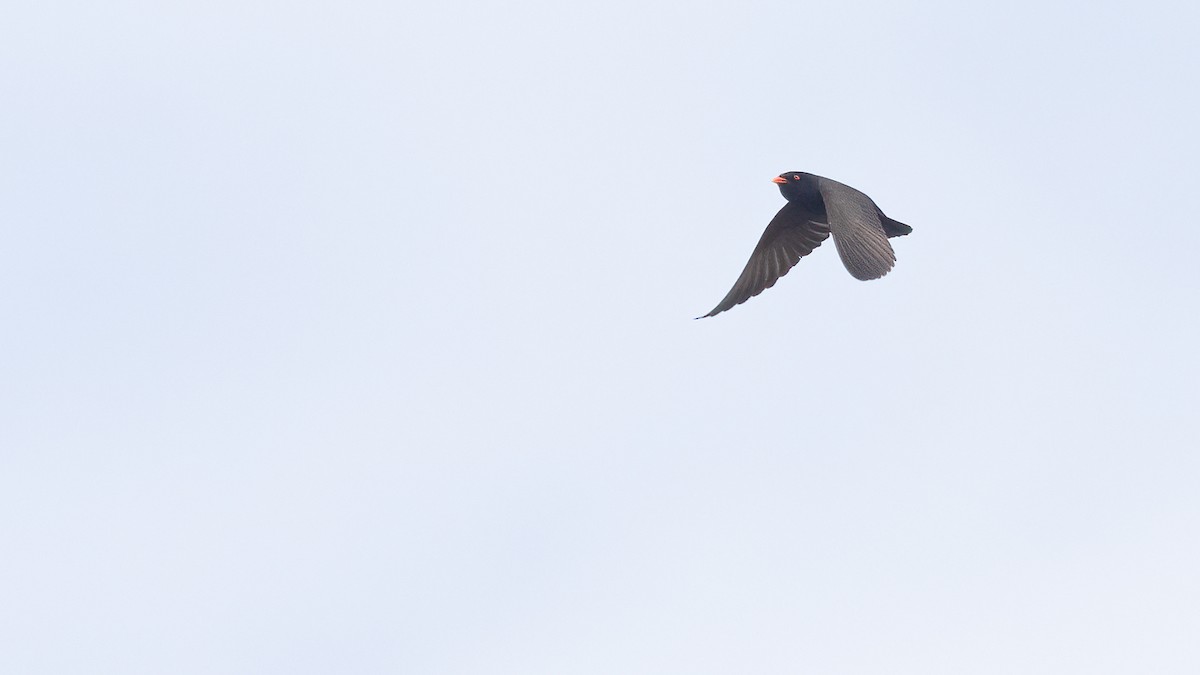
[816, 208]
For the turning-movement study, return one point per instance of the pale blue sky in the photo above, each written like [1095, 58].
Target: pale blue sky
[358, 338]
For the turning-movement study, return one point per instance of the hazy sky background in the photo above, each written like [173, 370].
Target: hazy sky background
[358, 338]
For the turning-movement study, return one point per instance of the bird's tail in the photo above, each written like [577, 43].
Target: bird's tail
[895, 228]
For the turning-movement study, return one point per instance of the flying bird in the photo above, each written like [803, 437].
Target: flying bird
[817, 207]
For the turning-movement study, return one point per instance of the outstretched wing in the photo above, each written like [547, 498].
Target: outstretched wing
[857, 230]
[790, 236]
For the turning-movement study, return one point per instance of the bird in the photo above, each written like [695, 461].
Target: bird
[817, 207]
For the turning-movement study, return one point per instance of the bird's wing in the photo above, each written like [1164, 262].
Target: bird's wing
[791, 235]
[857, 230]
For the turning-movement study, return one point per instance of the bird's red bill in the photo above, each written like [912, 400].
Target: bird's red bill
[779, 179]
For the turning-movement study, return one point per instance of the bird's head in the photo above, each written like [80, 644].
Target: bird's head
[793, 183]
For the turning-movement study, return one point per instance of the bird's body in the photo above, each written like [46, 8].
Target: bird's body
[816, 208]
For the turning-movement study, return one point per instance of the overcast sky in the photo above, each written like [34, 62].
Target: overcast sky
[358, 338]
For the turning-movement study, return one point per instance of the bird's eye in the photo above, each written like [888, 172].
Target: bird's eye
[796, 177]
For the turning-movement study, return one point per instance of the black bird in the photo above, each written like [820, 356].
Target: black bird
[817, 207]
